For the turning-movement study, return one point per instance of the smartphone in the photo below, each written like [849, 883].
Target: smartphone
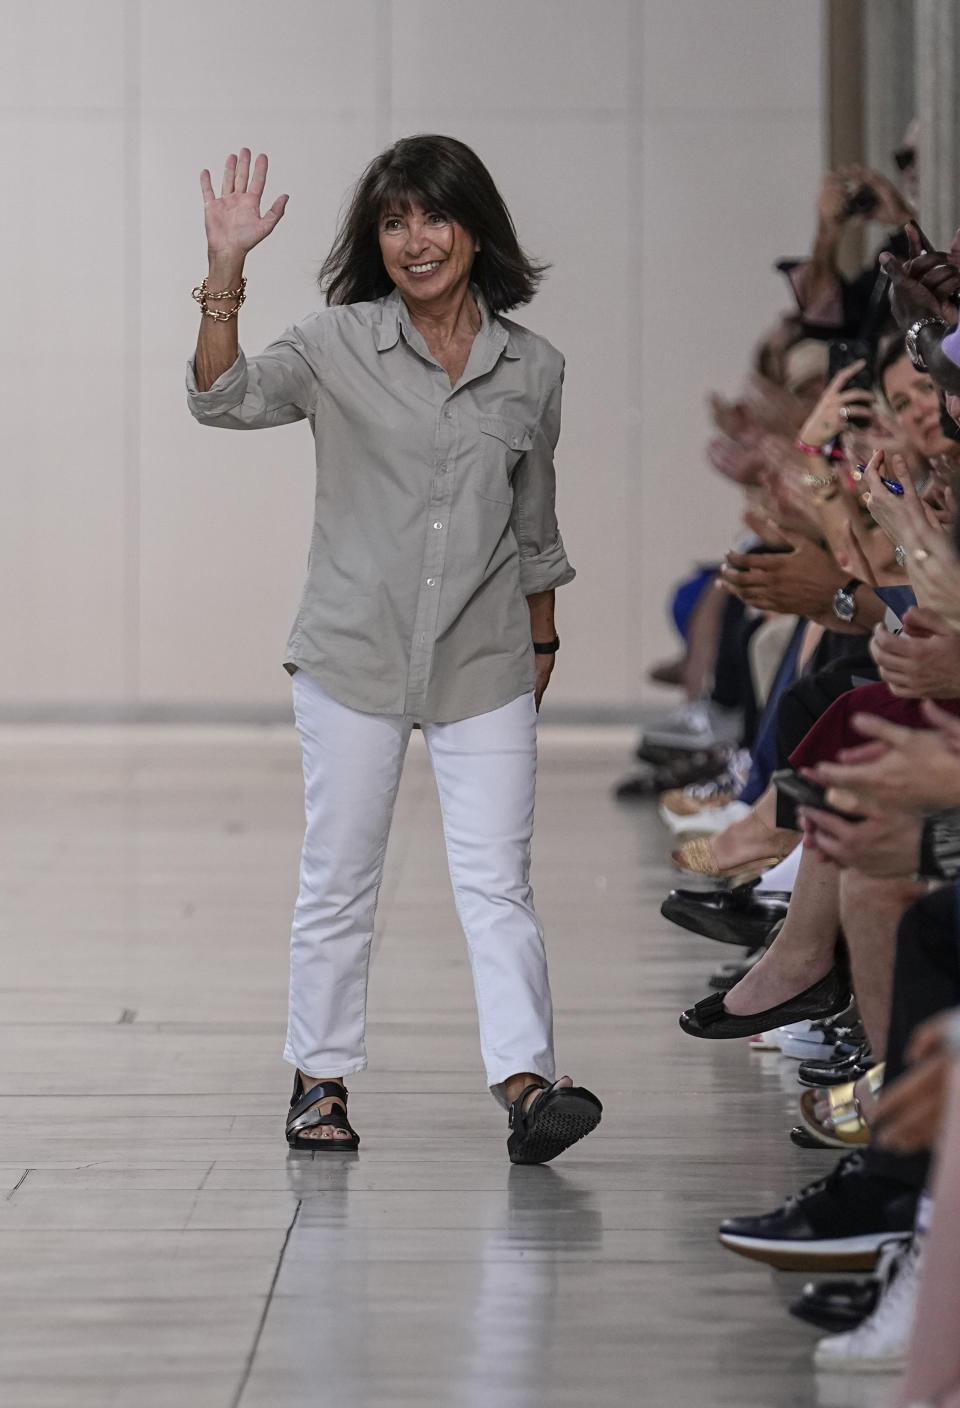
[841, 352]
[804, 793]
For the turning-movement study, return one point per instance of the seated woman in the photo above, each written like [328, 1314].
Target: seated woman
[922, 664]
[797, 977]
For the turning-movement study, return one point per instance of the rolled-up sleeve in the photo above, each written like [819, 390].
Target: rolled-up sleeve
[543, 559]
[276, 387]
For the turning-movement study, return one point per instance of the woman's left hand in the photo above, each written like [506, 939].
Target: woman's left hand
[545, 664]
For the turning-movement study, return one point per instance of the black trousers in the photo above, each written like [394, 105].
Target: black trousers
[831, 672]
[926, 980]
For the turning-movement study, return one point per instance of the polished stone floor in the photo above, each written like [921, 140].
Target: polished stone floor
[159, 1247]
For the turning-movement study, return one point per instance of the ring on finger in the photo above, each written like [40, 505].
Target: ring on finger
[900, 555]
[845, 414]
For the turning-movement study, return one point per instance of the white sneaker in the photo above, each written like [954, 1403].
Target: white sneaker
[697, 725]
[879, 1345]
[773, 1040]
[705, 823]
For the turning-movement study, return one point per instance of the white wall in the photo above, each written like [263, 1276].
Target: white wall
[660, 153]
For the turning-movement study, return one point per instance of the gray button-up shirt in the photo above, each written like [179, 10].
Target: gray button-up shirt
[434, 510]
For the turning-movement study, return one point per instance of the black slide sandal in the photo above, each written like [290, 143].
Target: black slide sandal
[304, 1115]
[556, 1119]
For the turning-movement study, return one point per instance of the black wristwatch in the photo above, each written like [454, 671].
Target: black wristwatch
[845, 602]
[546, 647]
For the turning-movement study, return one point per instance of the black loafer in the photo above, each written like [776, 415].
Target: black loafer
[709, 1018]
[742, 915]
[836, 1306]
[849, 1065]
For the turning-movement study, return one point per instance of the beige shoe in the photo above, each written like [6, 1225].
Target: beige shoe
[680, 802]
[696, 859]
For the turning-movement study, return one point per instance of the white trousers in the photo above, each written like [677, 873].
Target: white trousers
[485, 771]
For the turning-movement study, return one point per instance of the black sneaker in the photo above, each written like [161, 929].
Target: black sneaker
[836, 1224]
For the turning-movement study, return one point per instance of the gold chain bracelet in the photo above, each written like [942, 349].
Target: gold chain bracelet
[202, 295]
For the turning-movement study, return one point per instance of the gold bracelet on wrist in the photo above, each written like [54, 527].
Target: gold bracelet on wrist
[203, 296]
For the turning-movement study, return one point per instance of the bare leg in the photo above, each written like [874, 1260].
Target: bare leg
[514, 1087]
[802, 952]
[870, 910]
[933, 1360]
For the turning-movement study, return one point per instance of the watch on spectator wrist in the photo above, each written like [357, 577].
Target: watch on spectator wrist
[845, 601]
[546, 647]
[913, 332]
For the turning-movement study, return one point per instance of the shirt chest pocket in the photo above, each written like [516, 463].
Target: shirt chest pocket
[502, 442]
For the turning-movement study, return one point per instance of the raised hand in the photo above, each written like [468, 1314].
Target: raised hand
[233, 220]
[832, 412]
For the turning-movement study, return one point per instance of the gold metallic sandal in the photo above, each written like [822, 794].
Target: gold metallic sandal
[845, 1126]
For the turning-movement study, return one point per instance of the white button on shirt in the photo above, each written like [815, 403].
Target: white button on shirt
[398, 616]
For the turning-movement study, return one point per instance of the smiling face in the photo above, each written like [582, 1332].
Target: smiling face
[913, 400]
[425, 253]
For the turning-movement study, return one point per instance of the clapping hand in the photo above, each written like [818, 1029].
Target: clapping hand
[904, 769]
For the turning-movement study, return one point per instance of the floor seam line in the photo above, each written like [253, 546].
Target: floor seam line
[261, 1324]
[19, 1183]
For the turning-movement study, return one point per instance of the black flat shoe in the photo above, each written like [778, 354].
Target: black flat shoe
[709, 1018]
[836, 1306]
[806, 1139]
[742, 915]
[554, 1119]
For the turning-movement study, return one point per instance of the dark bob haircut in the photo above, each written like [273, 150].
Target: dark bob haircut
[442, 175]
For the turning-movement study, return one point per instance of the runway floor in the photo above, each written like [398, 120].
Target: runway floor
[159, 1246]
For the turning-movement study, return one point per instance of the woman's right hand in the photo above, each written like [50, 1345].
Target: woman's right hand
[233, 220]
[829, 416]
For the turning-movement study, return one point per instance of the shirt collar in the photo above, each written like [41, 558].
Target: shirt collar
[395, 318]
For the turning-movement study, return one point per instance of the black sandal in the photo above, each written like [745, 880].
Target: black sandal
[555, 1119]
[304, 1115]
